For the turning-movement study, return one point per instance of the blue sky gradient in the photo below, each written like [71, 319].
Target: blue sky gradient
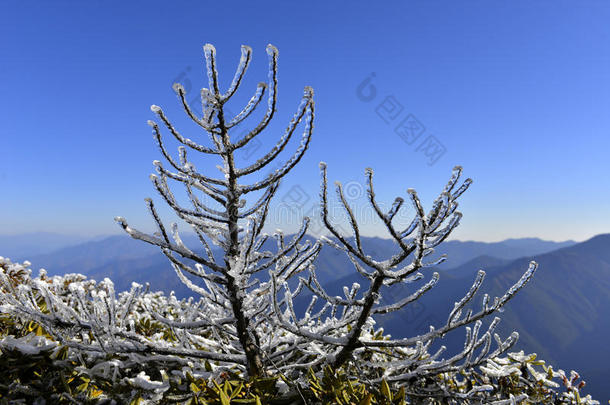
[518, 93]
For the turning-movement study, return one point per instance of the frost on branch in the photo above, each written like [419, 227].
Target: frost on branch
[130, 356]
[244, 318]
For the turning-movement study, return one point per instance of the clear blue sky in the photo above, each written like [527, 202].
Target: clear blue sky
[516, 92]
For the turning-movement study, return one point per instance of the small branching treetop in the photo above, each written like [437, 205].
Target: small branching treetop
[245, 319]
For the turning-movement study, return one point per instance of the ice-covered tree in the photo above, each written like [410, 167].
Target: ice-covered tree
[244, 319]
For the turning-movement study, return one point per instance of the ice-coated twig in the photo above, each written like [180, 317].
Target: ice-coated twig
[272, 52]
[290, 163]
[283, 141]
[244, 61]
[186, 141]
[134, 233]
[250, 107]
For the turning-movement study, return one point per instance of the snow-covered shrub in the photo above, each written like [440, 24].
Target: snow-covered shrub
[243, 331]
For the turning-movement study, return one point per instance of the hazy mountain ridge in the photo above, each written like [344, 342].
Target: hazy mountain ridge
[22, 246]
[565, 312]
[84, 257]
[459, 252]
[124, 259]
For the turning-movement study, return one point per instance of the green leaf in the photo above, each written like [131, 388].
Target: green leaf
[237, 390]
[136, 401]
[366, 400]
[400, 396]
[224, 399]
[385, 390]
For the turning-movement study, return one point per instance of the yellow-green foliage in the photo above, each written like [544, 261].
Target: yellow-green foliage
[52, 376]
[58, 377]
[336, 387]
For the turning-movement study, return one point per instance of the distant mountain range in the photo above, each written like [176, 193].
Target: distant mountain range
[113, 256]
[563, 314]
[36, 243]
